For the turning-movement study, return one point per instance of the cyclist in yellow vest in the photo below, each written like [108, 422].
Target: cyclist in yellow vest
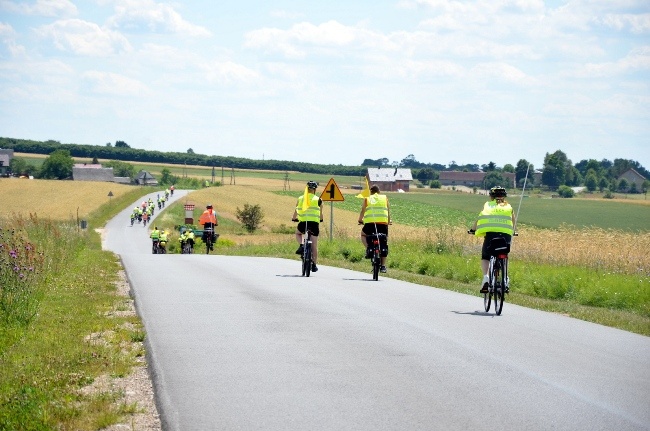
[190, 238]
[155, 235]
[309, 218]
[375, 217]
[496, 220]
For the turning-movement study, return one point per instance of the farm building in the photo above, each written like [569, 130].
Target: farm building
[144, 178]
[470, 179]
[91, 172]
[5, 159]
[390, 179]
[633, 177]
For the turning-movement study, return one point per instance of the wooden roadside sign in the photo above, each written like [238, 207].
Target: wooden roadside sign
[332, 193]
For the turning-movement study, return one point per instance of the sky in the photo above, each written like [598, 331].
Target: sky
[333, 82]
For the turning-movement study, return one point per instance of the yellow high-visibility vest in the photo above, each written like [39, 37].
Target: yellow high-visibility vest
[312, 213]
[494, 218]
[376, 209]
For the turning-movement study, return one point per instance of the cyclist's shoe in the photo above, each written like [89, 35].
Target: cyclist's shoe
[382, 268]
[300, 249]
[485, 284]
[314, 268]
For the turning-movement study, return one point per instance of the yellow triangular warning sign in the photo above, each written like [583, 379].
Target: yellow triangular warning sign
[332, 192]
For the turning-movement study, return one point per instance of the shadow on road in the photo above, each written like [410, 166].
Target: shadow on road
[476, 313]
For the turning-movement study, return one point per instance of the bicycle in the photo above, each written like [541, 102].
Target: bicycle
[306, 256]
[377, 248]
[187, 248]
[155, 247]
[210, 238]
[499, 282]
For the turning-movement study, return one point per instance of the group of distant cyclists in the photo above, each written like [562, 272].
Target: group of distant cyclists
[143, 212]
[496, 219]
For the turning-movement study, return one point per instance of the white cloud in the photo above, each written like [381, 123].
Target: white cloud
[305, 37]
[139, 15]
[502, 72]
[637, 24]
[114, 84]
[60, 8]
[637, 60]
[228, 72]
[84, 38]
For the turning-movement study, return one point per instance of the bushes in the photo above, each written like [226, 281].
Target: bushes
[251, 217]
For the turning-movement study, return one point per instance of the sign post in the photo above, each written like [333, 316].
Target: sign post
[332, 193]
[189, 213]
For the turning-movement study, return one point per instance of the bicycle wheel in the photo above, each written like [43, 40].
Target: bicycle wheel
[499, 287]
[487, 296]
[376, 263]
[306, 262]
[487, 301]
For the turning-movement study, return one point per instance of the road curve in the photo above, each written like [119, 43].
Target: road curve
[245, 343]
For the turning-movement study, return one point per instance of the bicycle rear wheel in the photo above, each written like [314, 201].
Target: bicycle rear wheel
[499, 277]
[376, 263]
[306, 260]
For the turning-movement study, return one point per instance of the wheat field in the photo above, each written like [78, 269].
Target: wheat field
[615, 251]
[55, 199]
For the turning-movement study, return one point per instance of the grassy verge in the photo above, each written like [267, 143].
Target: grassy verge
[68, 335]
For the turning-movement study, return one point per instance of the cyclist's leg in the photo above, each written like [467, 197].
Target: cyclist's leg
[314, 249]
[300, 229]
[314, 228]
[368, 229]
[383, 228]
[485, 260]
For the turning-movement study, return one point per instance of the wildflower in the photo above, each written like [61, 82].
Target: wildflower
[13, 253]
[16, 269]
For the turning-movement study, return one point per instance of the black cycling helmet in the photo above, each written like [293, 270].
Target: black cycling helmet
[209, 206]
[312, 185]
[498, 192]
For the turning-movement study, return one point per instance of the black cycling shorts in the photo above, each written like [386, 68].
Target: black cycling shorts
[313, 226]
[369, 228]
[485, 252]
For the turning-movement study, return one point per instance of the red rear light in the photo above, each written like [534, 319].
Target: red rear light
[502, 256]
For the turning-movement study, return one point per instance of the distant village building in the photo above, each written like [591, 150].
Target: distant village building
[5, 159]
[92, 172]
[144, 178]
[390, 179]
[471, 179]
[633, 177]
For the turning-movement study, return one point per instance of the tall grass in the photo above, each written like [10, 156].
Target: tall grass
[60, 329]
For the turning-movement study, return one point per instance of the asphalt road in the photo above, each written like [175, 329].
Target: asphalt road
[246, 343]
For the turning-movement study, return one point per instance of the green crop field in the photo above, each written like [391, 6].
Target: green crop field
[616, 214]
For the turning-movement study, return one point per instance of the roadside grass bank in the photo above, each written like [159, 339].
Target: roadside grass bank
[64, 325]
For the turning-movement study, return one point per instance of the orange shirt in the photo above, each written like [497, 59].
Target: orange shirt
[208, 216]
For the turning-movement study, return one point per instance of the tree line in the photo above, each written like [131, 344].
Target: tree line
[558, 171]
